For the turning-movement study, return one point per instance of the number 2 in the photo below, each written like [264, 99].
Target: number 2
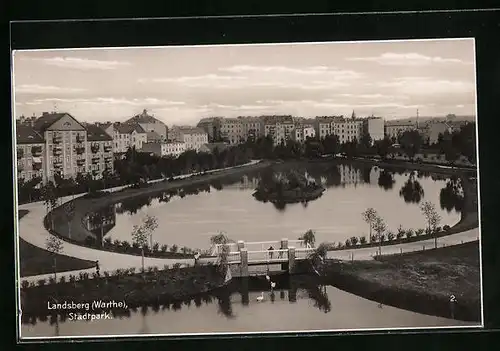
[453, 298]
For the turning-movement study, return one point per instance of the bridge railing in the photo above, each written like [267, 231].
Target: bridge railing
[268, 256]
[303, 253]
[234, 257]
[299, 244]
[217, 249]
[262, 245]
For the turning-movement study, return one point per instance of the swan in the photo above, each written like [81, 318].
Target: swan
[261, 297]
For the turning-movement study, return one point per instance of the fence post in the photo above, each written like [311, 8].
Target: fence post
[423, 247]
[401, 250]
[352, 256]
[244, 262]
[241, 245]
[291, 260]
[284, 246]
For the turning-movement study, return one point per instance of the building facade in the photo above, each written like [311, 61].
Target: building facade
[211, 126]
[374, 127]
[192, 137]
[347, 129]
[232, 130]
[163, 149]
[30, 151]
[302, 132]
[100, 152]
[126, 135]
[393, 129]
[65, 145]
[279, 128]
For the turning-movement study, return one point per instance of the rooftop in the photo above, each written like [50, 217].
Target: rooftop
[48, 119]
[95, 133]
[27, 135]
[144, 117]
[128, 128]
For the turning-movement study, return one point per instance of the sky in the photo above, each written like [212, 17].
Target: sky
[180, 85]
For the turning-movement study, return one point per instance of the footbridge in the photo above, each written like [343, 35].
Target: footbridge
[284, 253]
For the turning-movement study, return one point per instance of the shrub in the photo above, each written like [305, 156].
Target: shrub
[117, 243]
[41, 282]
[164, 248]
[428, 231]
[150, 269]
[125, 245]
[156, 247]
[176, 266]
[62, 280]
[72, 278]
[409, 233]
[419, 231]
[401, 232]
[362, 240]
[107, 242]
[382, 238]
[25, 284]
[174, 248]
[446, 227]
[52, 280]
[438, 229]
[374, 238]
[354, 240]
[132, 270]
[95, 275]
[155, 269]
[390, 236]
[166, 267]
[348, 243]
[339, 245]
[106, 274]
[146, 248]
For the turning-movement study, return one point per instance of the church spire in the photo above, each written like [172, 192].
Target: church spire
[353, 116]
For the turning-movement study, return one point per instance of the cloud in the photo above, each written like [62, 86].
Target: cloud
[427, 86]
[312, 70]
[45, 89]
[79, 63]
[408, 59]
[204, 79]
[109, 101]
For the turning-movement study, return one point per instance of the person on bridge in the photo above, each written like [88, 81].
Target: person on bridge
[271, 249]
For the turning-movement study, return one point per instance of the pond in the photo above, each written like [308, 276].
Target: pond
[236, 310]
[229, 207]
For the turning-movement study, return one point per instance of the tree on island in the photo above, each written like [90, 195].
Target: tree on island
[433, 219]
[309, 238]
[369, 216]
[141, 233]
[55, 246]
[383, 147]
[379, 227]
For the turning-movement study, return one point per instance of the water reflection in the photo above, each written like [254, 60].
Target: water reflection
[386, 180]
[101, 222]
[451, 197]
[412, 191]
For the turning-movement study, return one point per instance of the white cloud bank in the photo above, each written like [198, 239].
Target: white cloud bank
[408, 59]
[79, 63]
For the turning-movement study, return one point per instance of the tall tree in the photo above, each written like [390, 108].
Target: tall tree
[433, 218]
[369, 216]
[54, 245]
[49, 196]
[141, 233]
[380, 227]
[69, 212]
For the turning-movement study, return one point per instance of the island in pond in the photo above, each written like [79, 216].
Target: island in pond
[290, 187]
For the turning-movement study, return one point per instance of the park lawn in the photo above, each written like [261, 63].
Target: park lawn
[34, 260]
[421, 281]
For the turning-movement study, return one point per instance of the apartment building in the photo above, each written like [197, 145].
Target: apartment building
[323, 126]
[163, 149]
[65, 144]
[149, 124]
[126, 135]
[99, 152]
[279, 128]
[347, 129]
[232, 130]
[303, 132]
[30, 151]
[374, 127]
[194, 138]
[393, 129]
[211, 126]
[252, 127]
